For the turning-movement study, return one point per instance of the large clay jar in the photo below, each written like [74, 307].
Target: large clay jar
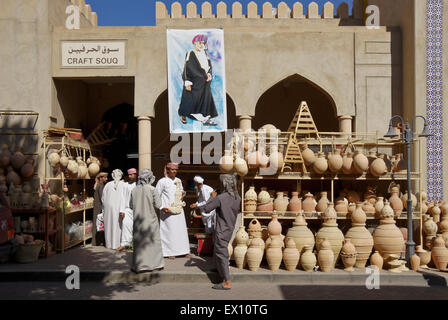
[308, 259]
[439, 253]
[347, 162]
[335, 162]
[325, 257]
[309, 204]
[274, 227]
[341, 208]
[323, 202]
[5, 156]
[425, 256]
[387, 237]
[400, 165]
[28, 168]
[395, 202]
[415, 262]
[240, 167]
[360, 162]
[430, 231]
[281, 203]
[404, 200]
[360, 236]
[300, 233]
[330, 232]
[435, 213]
[291, 255]
[226, 162]
[13, 177]
[378, 166]
[320, 166]
[263, 197]
[93, 168]
[308, 155]
[377, 260]
[276, 159]
[379, 205]
[18, 159]
[72, 166]
[255, 254]
[240, 250]
[274, 254]
[295, 204]
[250, 200]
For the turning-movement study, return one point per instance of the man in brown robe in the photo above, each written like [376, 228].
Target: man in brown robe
[98, 236]
[227, 206]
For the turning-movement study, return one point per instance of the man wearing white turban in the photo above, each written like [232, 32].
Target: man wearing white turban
[112, 203]
[204, 192]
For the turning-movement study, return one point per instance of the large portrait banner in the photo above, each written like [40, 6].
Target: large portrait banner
[196, 80]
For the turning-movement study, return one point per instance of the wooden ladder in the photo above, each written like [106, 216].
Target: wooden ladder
[98, 137]
[293, 153]
[303, 123]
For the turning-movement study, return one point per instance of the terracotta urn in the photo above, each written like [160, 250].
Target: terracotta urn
[226, 162]
[429, 230]
[335, 162]
[263, 196]
[240, 167]
[360, 162]
[308, 155]
[320, 166]
[415, 262]
[360, 236]
[291, 255]
[378, 166]
[404, 200]
[239, 252]
[400, 165]
[250, 200]
[268, 207]
[308, 259]
[28, 168]
[387, 237]
[13, 177]
[435, 213]
[395, 202]
[295, 204]
[53, 158]
[348, 255]
[255, 254]
[379, 205]
[5, 156]
[274, 254]
[425, 256]
[300, 233]
[347, 162]
[341, 208]
[281, 203]
[254, 229]
[439, 253]
[325, 256]
[309, 204]
[377, 260]
[274, 227]
[323, 202]
[330, 232]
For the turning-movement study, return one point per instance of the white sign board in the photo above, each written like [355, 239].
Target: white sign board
[88, 54]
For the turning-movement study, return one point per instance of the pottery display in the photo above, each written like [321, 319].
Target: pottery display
[439, 253]
[325, 256]
[240, 166]
[226, 162]
[274, 254]
[330, 232]
[335, 162]
[308, 155]
[300, 233]
[53, 158]
[348, 255]
[250, 200]
[281, 203]
[28, 168]
[360, 236]
[429, 230]
[395, 202]
[295, 204]
[5, 156]
[309, 204]
[341, 208]
[18, 159]
[291, 255]
[323, 202]
[379, 205]
[239, 252]
[360, 162]
[377, 260]
[378, 166]
[320, 165]
[255, 254]
[387, 237]
[308, 259]
[347, 162]
[425, 256]
[415, 262]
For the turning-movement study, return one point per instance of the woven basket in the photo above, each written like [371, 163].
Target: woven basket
[28, 253]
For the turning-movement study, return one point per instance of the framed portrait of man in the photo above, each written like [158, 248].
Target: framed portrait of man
[196, 80]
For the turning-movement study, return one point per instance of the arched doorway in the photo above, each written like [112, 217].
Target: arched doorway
[279, 104]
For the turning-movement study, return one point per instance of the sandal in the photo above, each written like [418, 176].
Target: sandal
[210, 123]
[219, 286]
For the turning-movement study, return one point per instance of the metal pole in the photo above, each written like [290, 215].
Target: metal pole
[410, 244]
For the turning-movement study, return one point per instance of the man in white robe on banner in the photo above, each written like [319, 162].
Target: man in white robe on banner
[112, 203]
[204, 192]
[126, 213]
[173, 227]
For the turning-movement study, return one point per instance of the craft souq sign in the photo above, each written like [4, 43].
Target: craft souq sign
[88, 54]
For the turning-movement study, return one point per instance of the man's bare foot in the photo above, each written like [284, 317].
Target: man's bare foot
[227, 284]
[122, 248]
[172, 258]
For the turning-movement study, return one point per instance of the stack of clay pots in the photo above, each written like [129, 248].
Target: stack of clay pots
[330, 232]
[256, 248]
[274, 244]
[239, 252]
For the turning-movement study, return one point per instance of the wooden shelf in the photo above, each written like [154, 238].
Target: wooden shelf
[78, 210]
[292, 216]
[310, 176]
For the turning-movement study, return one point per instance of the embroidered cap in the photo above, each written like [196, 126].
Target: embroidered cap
[200, 37]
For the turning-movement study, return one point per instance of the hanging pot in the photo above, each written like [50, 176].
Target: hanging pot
[347, 162]
[320, 165]
[240, 166]
[360, 162]
[226, 162]
[308, 155]
[18, 159]
[335, 162]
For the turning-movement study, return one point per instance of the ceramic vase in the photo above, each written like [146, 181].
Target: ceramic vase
[254, 229]
[347, 163]
[255, 254]
[274, 254]
[330, 232]
[295, 204]
[439, 253]
[377, 260]
[93, 169]
[415, 262]
[226, 162]
[308, 259]
[323, 202]
[300, 233]
[64, 159]
[320, 166]
[325, 257]
[13, 177]
[435, 213]
[425, 256]
[335, 162]
[395, 202]
[404, 200]
[28, 168]
[379, 205]
[263, 197]
[309, 204]
[291, 255]
[368, 208]
[18, 159]
[308, 155]
[348, 255]
[53, 158]
[400, 165]
[276, 160]
[429, 230]
[360, 162]
[250, 200]
[239, 252]
[274, 227]
[378, 166]
[341, 208]
[281, 203]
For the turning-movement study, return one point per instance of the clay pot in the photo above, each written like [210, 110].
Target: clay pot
[360, 162]
[295, 204]
[308, 155]
[291, 255]
[377, 260]
[379, 205]
[274, 254]
[13, 177]
[348, 255]
[425, 256]
[250, 200]
[240, 250]
[378, 166]
[93, 169]
[28, 168]
[368, 208]
[263, 197]
[255, 254]
[353, 196]
[276, 159]
[347, 162]
[351, 209]
[53, 158]
[331, 232]
[64, 160]
[388, 239]
[323, 202]
[309, 204]
[439, 253]
[404, 200]
[226, 162]
[435, 213]
[254, 229]
[308, 259]
[5, 156]
[320, 166]
[348, 248]
[395, 202]
[415, 262]
[430, 230]
[269, 207]
[341, 208]
[400, 165]
[27, 188]
[262, 159]
[325, 256]
[281, 203]
[72, 166]
[335, 162]
[300, 233]
[274, 227]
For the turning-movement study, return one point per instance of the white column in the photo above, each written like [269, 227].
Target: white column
[144, 142]
[245, 123]
[345, 124]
